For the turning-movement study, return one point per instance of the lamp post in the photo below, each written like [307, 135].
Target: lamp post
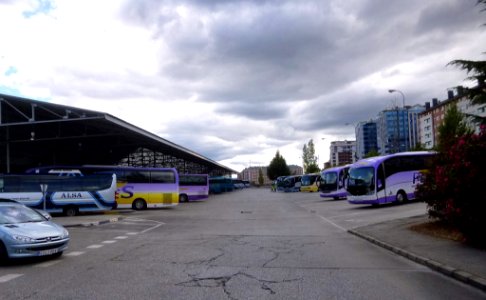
[398, 121]
[398, 91]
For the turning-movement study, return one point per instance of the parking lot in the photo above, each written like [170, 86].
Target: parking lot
[246, 244]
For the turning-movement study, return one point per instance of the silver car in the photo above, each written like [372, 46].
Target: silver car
[25, 232]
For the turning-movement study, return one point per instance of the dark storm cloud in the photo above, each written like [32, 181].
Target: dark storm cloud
[278, 51]
[262, 111]
[297, 60]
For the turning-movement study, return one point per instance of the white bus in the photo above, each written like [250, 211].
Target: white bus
[385, 179]
[59, 194]
[333, 183]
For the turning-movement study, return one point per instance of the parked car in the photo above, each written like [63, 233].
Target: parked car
[26, 232]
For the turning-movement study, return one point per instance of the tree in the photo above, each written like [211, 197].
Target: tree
[477, 72]
[372, 153]
[260, 177]
[453, 127]
[309, 158]
[453, 187]
[278, 167]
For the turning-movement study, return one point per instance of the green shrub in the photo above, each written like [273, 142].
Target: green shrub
[455, 189]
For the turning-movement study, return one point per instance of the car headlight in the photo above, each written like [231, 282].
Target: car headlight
[23, 238]
[65, 233]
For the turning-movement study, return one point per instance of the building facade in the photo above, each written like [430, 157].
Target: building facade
[251, 174]
[433, 116]
[342, 153]
[366, 138]
[413, 126]
[392, 130]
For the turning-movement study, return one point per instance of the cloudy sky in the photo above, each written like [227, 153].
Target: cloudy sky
[238, 80]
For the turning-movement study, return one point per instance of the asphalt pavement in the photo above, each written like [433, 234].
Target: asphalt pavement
[454, 259]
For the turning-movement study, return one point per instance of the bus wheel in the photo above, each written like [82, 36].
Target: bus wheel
[183, 198]
[401, 197]
[139, 204]
[70, 211]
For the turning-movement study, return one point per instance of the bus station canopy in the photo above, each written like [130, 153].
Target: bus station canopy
[36, 133]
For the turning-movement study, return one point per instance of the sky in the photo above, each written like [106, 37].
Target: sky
[237, 81]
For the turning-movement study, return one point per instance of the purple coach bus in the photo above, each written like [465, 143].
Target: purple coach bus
[333, 182]
[193, 187]
[385, 179]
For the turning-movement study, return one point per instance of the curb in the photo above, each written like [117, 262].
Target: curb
[458, 274]
[94, 223]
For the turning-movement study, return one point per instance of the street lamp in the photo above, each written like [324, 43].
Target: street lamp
[398, 91]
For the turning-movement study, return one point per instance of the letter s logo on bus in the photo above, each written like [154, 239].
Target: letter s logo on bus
[126, 191]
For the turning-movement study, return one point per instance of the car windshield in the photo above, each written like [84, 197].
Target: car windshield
[13, 214]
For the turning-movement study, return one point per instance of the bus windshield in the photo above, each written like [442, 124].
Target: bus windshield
[361, 181]
[329, 182]
[308, 179]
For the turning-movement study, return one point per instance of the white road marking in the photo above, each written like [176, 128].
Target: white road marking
[332, 223]
[9, 277]
[94, 246]
[74, 253]
[132, 233]
[151, 228]
[109, 242]
[143, 220]
[122, 237]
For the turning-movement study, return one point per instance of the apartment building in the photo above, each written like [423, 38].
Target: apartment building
[433, 116]
[343, 152]
[251, 174]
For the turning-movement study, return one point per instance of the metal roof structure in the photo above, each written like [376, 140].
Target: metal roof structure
[36, 133]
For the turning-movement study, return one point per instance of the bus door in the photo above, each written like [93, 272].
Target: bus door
[381, 189]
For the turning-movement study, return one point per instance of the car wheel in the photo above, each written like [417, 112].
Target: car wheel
[183, 198]
[401, 197]
[3, 253]
[70, 211]
[139, 204]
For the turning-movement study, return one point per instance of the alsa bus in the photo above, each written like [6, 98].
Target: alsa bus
[193, 187]
[292, 183]
[138, 188]
[386, 179]
[56, 194]
[333, 182]
[220, 184]
[310, 182]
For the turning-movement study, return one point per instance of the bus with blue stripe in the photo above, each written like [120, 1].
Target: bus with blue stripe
[220, 184]
[137, 187]
[61, 194]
